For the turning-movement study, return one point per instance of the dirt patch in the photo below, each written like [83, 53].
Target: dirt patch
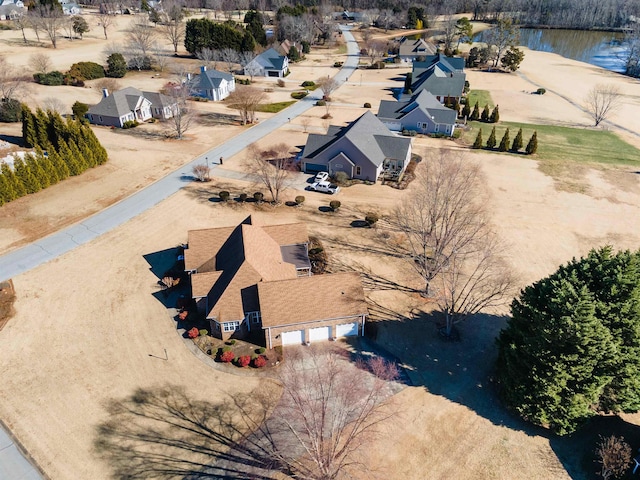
[7, 298]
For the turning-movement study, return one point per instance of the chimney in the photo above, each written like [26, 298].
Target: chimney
[105, 93]
[188, 76]
[203, 68]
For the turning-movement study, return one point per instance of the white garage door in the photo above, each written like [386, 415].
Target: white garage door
[394, 127]
[295, 337]
[347, 330]
[318, 334]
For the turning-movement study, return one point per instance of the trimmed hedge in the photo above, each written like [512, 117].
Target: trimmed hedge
[50, 78]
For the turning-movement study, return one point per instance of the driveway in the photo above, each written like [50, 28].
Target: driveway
[30, 256]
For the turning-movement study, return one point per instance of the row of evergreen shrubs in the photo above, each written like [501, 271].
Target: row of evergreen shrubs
[83, 71]
[505, 144]
[475, 115]
[225, 196]
[71, 148]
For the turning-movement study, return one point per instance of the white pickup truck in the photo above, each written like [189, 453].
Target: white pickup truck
[324, 187]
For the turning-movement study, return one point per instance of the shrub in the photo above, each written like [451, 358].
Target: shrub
[130, 124]
[371, 218]
[337, 64]
[484, 116]
[116, 66]
[306, 46]
[299, 200]
[532, 146]
[491, 142]
[298, 95]
[478, 141]
[193, 333]
[243, 197]
[10, 110]
[224, 195]
[224, 350]
[183, 315]
[51, 78]
[341, 177]
[231, 342]
[79, 109]
[204, 332]
[334, 204]
[227, 357]
[517, 142]
[258, 197]
[321, 103]
[280, 82]
[495, 115]
[86, 71]
[316, 251]
[366, 105]
[541, 91]
[504, 143]
[308, 83]
[259, 362]
[244, 360]
[261, 350]
[475, 114]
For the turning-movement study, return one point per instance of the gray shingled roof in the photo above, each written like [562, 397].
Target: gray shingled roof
[211, 79]
[440, 78]
[117, 103]
[424, 101]
[274, 58]
[410, 47]
[360, 133]
[158, 99]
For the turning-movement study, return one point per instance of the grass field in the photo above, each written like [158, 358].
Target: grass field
[274, 107]
[579, 145]
[483, 97]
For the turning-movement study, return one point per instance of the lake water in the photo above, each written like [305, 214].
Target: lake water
[603, 49]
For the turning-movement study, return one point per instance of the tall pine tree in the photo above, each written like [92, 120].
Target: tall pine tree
[478, 141]
[25, 175]
[504, 143]
[517, 141]
[485, 114]
[491, 141]
[495, 115]
[47, 166]
[475, 114]
[37, 170]
[7, 191]
[72, 162]
[532, 146]
[29, 136]
[41, 123]
[62, 169]
[15, 183]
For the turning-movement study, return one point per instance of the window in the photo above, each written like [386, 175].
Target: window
[230, 326]
[253, 317]
[358, 170]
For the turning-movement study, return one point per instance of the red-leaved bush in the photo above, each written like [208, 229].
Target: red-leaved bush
[194, 332]
[227, 357]
[183, 315]
[259, 362]
[244, 360]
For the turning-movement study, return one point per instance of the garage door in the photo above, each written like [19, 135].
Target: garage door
[296, 337]
[318, 334]
[347, 330]
[314, 167]
[394, 127]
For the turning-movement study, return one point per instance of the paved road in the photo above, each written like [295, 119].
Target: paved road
[13, 466]
[48, 248]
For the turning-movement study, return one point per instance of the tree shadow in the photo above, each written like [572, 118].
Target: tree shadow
[163, 433]
[213, 119]
[12, 139]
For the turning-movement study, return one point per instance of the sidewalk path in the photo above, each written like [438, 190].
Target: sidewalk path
[13, 466]
[41, 251]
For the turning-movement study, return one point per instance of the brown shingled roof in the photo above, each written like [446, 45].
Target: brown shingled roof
[201, 283]
[307, 299]
[203, 246]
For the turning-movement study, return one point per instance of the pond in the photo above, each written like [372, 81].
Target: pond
[603, 49]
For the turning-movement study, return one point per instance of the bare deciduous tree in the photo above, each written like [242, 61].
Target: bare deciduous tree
[230, 57]
[140, 36]
[106, 17]
[160, 58]
[271, 167]
[172, 27]
[54, 104]
[110, 84]
[444, 214]
[505, 34]
[201, 172]
[245, 58]
[375, 49]
[601, 101]
[12, 82]
[305, 122]
[246, 100]
[183, 117]
[208, 57]
[67, 27]
[35, 22]
[40, 62]
[614, 456]
[22, 22]
[327, 86]
[331, 411]
[50, 19]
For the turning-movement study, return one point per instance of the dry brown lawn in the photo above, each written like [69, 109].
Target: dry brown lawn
[86, 323]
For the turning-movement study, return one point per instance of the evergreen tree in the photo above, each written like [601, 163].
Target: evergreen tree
[73, 131]
[466, 110]
[572, 346]
[495, 115]
[532, 146]
[37, 170]
[7, 192]
[72, 162]
[408, 80]
[87, 154]
[254, 27]
[29, 136]
[517, 142]
[504, 143]
[56, 129]
[25, 175]
[475, 115]
[293, 55]
[41, 122]
[99, 152]
[484, 117]
[15, 185]
[478, 142]
[491, 142]
[75, 151]
[62, 169]
[47, 166]
[116, 66]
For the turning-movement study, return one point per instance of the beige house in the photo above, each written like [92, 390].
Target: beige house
[254, 281]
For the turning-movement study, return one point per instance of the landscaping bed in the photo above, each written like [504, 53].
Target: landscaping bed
[239, 353]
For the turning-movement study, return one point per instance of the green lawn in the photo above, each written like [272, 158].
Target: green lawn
[274, 107]
[564, 143]
[483, 97]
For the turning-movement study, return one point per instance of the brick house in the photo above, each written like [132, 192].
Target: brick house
[252, 278]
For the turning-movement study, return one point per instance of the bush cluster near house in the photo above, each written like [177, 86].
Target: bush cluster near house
[204, 33]
[505, 143]
[571, 349]
[71, 148]
[76, 76]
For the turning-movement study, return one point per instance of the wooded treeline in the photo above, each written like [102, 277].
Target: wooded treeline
[71, 148]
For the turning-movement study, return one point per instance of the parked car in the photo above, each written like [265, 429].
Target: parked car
[321, 177]
[324, 187]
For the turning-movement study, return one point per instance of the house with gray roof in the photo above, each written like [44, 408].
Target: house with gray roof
[411, 50]
[11, 11]
[443, 76]
[268, 64]
[130, 104]
[422, 113]
[363, 150]
[213, 84]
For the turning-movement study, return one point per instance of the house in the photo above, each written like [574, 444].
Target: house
[422, 113]
[11, 11]
[411, 50]
[362, 150]
[255, 281]
[443, 76]
[70, 7]
[213, 84]
[268, 64]
[130, 104]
